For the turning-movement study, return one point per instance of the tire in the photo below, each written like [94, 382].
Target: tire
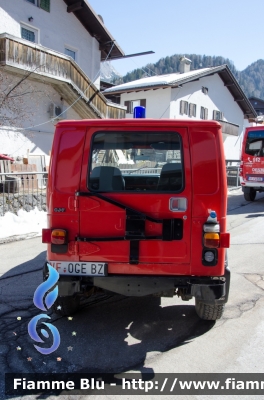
[251, 195]
[68, 305]
[209, 312]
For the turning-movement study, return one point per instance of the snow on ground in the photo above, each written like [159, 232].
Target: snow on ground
[25, 222]
[33, 221]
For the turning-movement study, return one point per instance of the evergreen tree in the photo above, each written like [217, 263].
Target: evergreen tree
[250, 79]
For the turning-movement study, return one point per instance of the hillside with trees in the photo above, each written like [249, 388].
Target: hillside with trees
[251, 78]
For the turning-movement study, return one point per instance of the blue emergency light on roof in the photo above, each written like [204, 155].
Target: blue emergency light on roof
[139, 112]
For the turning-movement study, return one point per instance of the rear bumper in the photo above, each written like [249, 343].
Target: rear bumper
[252, 185]
[210, 290]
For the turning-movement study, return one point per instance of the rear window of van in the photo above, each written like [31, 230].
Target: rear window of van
[136, 161]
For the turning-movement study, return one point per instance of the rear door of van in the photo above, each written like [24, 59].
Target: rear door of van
[135, 198]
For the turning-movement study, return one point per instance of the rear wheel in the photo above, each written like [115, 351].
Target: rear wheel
[251, 195]
[209, 312]
[66, 306]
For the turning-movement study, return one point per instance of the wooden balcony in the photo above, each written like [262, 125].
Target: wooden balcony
[62, 72]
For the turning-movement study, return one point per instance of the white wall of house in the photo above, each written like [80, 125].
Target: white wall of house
[37, 135]
[56, 30]
[165, 103]
[154, 108]
[18, 144]
[218, 98]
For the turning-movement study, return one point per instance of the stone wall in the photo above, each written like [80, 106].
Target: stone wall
[13, 202]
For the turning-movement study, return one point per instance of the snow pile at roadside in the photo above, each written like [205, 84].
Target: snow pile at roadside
[23, 223]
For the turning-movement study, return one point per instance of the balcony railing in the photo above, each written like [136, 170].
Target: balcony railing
[63, 73]
[229, 128]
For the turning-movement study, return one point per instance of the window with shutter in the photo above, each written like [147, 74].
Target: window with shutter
[218, 115]
[204, 113]
[128, 106]
[45, 5]
[192, 110]
[183, 107]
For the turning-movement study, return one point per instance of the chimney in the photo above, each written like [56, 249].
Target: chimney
[185, 65]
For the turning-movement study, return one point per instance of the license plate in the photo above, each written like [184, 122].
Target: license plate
[256, 178]
[80, 268]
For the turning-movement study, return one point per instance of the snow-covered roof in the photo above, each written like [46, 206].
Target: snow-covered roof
[177, 79]
[161, 80]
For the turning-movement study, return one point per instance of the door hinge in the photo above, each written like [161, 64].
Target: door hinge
[76, 204]
[73, 203]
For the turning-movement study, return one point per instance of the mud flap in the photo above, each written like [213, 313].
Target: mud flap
[216, 293]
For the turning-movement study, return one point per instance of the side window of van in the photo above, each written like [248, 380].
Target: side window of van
[136, 161]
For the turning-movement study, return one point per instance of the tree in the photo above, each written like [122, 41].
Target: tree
[14, 92]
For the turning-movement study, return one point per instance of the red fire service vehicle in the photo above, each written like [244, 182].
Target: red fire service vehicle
[252, 162]
[138, 207]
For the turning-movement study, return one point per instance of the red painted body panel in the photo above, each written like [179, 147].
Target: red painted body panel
[204, 188]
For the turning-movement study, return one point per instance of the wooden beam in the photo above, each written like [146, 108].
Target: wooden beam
[76, 6]
[229, 84]
[103, 46]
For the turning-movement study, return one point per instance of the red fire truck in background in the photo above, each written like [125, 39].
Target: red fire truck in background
[252, 162]
[138, 207]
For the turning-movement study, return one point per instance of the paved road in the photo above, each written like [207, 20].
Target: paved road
[117, 334]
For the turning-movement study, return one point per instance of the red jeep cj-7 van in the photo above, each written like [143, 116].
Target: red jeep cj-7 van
[138, 207]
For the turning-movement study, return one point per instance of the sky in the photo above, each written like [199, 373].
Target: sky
[229, 28]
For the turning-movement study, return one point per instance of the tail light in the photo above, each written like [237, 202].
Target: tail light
[225, 240]
[46, 235]
[241, 169]
[211, 240]
[58, 236]
[209, 256]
